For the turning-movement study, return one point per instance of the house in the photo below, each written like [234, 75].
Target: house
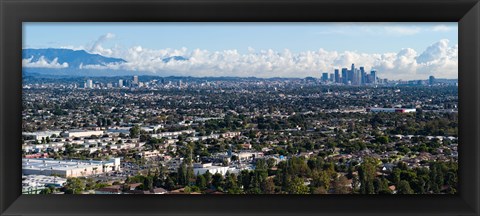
[159, 191]
[114, 189]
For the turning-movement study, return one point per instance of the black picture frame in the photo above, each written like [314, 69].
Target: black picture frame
[465, 12]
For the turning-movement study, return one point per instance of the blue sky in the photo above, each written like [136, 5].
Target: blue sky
[363, 37]
[339, 40]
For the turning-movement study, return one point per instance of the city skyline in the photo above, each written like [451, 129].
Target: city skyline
[261, 50]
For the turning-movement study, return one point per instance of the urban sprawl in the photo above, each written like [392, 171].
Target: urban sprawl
[347, 132]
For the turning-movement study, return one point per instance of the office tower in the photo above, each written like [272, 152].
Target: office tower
[431, 80]
[135, 79]
[325, 77]
[351, 76]
[345, 75]
[120, 83]
[373, 76]
[90, 83]
[358, 77]
[109, 85]
[337, 76]
[367, 79]
[362, 76]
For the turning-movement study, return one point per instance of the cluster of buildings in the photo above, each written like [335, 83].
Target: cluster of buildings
[33, 184]
[89, 84]
[354, 76]
[129, 83]
[397, 110]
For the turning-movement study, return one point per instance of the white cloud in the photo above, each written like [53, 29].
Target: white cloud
[43, 63]
[97, 45]
[440, 59]
[441, 28]
[73, 47]
[400, 30]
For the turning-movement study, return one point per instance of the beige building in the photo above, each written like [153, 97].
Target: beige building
[68, 168]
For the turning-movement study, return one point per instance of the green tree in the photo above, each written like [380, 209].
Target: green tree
[201, 182]
[74, 186]
[297, 186]
[268, 186]
[208, 178]
[367, 172]
[217, 180]
[231, 185]
[404, 188]
[135, 131]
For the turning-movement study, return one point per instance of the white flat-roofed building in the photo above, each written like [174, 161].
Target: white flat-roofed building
[200, 169]
[152, 127]
[35, 183]
[124, 130]
[43, 147]
[81, 133]
[68, 168]
[172, 134]
[39, 135]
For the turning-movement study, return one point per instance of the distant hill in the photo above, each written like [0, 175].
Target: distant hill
[74, 58]
[175, 58]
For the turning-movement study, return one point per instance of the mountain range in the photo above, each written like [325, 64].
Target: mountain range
[77, 58]
[74, 58]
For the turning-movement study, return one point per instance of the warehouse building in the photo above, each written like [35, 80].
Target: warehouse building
[39, 135]
[33, 184]
[68, 168]
[82, 133]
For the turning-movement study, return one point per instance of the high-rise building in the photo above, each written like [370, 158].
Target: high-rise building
[351, 76]
[373, 76]
[345, 75]
[362, 76]
[431, 80]
[135, 79]
[90, 83]
[324, 77]
[120, 83]
[337, 76]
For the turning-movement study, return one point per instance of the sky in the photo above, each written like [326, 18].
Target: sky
[395, 50]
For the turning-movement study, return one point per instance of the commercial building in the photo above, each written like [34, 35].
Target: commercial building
[345, 76]
[337, 76]
[324, 77]
[200, 169]
[81, 133]
[90, 84]
[373, 76]
[68, 168]
[39, 135]
[33, 184]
